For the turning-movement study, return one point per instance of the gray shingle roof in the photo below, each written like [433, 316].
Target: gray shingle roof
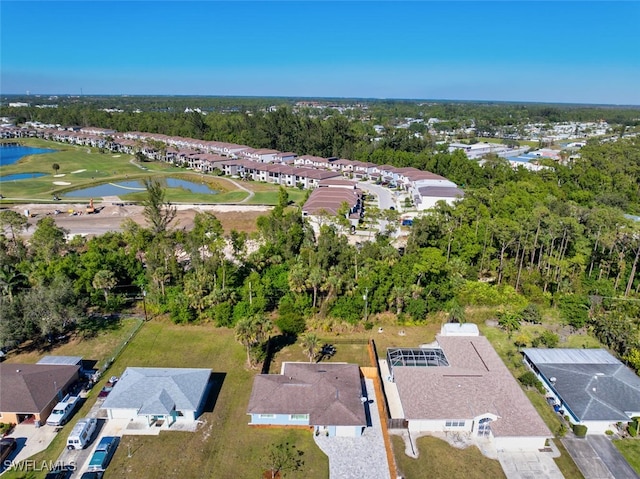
[591, 382]
[159, 390]
[329, 392]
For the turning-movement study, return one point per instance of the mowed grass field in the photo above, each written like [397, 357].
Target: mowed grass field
[438, 460]
[224, 446]
[84, 167]
[630, 449]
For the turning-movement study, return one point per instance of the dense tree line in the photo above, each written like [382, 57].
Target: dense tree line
[553, 238]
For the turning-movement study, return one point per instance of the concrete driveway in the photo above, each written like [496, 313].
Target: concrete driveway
[358, 457]
[31, 440]
[529, 465]
[598, 458]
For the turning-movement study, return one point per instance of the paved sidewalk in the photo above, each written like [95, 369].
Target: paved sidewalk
[358, 457]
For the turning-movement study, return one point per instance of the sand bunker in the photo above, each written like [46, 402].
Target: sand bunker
[77, 171]
[115, 156]
[61, 183]
[59, 176]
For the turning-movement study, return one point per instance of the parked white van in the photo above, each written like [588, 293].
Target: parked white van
[81, 433]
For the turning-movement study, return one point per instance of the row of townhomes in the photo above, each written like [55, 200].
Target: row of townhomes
[270, 166]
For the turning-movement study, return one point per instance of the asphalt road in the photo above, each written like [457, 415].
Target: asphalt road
[386, 197]
[598, 458]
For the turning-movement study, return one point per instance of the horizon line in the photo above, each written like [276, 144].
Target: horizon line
[342, 98]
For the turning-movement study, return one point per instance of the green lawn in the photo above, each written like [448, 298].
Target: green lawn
[224, 446]
[98, 347]
[84, 167]
[630, 449]
[439, 460]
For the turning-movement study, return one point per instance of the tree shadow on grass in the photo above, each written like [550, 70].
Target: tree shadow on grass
[275, 345]
[90, 326]
[215, 386]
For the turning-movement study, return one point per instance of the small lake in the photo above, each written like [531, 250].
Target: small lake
[10, 154]
[124, 187]
[21, 176]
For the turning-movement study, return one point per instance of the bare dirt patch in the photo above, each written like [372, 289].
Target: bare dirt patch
[110, 216]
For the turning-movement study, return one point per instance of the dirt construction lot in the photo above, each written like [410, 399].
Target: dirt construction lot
[110, 215]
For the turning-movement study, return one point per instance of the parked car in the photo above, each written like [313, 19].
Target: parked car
[59, 472]
[82, 433]
[7, 446]
[63, 411]
[103, 453]
[92, 475]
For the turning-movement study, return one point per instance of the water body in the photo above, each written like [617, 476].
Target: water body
[21, 176]
[10, 154]
[124, 187]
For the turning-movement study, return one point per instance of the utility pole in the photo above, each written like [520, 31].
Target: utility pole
[365, 296]
[144, 304]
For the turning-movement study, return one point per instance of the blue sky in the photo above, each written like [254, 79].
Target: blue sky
[583, 52]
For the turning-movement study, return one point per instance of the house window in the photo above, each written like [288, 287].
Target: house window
[454, 423]
[299, 417]
[266, 416]
[484, 427]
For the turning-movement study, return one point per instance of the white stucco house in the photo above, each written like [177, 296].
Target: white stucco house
[159, 396]
[459, 385]
[590, 386]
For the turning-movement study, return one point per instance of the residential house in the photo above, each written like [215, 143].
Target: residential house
[326, 397]
[30, 391]
[159, 396]
[460, 386]
[590, 386]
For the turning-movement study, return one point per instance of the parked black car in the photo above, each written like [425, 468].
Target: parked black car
[7, 446]
[59, 472]
[92, 475]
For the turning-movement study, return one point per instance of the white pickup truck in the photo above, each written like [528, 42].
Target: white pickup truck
[63, 411]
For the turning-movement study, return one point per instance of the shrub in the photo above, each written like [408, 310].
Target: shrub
[532, 314]
[528, 379]
[349, 309]
[547, 339]
[522, 340]
[632, 429]
[574, 310]
[580, 430]
[562, 430]
[5, 428]
[291, 324]
[223, 314]
[609, 432]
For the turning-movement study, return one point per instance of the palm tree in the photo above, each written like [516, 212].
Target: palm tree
[104, 280]
[10, 279]
[310, 344]
[314, 281]
[251, 333]
[456, 312]
[246, 335]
